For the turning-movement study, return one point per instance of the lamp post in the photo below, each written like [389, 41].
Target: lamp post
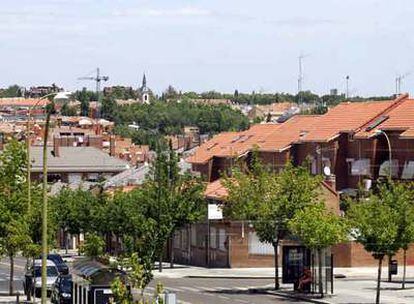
[29, 116]
[44, 188]
[378, 132]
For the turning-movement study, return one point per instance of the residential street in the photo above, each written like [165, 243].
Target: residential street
[19, 264]
[219, 290]
[188, 290]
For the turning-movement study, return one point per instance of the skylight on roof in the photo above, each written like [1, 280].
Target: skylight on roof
[376, 122]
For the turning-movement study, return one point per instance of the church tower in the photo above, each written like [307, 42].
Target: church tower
[144, 91]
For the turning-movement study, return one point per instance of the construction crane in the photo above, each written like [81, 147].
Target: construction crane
[98, 78]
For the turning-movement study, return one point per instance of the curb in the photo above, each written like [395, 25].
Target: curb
[297, 297]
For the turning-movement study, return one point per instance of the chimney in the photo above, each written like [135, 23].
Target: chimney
[112, 146]
[56, 146]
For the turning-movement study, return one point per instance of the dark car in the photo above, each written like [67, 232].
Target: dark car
[60, 264]
[62, 290]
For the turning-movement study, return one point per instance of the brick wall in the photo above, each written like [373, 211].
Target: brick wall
[353, 254]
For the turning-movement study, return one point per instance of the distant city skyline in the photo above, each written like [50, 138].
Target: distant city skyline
[203, 45]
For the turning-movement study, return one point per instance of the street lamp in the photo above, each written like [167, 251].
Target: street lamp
[378, 132]
[57, 95]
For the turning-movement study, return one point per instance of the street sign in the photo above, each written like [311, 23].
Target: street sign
[215, 212]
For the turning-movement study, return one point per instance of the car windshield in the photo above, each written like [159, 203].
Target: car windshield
[66, 285]
[51, 271]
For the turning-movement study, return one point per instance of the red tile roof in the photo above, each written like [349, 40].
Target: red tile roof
[398, 117]
[215, 190]
[345, 117]
[22, 102]
[266, 137]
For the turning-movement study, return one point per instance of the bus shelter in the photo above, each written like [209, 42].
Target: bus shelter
[92, 282]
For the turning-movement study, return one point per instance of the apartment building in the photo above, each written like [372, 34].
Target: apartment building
[350, 146]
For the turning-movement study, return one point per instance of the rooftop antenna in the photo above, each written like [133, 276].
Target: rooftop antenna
[398, 81]
[300, 77]
[98, 78]
[347, 87]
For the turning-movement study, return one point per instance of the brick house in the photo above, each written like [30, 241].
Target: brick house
[344, 145]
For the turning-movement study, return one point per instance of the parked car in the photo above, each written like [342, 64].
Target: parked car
[62, 290]
[60, 264]
[34, 276]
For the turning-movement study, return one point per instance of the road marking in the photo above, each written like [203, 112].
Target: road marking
[190, 289]
[208, 289]
[172, 289]
[15, 266]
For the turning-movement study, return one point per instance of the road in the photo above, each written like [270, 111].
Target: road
[19, 266]
[220, 291]
[188, 290]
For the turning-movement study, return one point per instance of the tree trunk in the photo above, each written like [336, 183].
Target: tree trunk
[404, 269]
[320, 272]
[171, 253]
[66, 242]
[28, 295]
[389, 268]
[377, 299]
[11, 275]
[275, 248]
[160, 263]
[33, 283]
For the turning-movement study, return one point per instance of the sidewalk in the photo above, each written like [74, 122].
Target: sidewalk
[352, 285]
[182, 271]
[13, 299]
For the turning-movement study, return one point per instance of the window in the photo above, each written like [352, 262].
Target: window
[408, 171]
[213, 238]
[361, 166]
[257, 247]
[385, 168]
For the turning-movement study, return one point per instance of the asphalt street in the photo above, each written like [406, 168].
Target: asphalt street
[220, 291]
[188, 290]
[19, 267]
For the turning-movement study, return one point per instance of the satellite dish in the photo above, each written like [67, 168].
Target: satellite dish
[327, 171]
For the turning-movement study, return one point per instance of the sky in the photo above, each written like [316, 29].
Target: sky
[203, 45]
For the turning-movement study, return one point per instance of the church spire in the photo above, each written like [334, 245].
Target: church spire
[144, 81]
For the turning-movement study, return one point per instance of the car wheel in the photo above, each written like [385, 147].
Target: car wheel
[38, 293]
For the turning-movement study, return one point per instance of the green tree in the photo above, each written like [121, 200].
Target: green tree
[400, 197]
[94, 245]
[375, 226]
[67, 110]
[14, 234]
[270, 200]
[11, 91]
[172, 200]
[318, 229]
[15, 239]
